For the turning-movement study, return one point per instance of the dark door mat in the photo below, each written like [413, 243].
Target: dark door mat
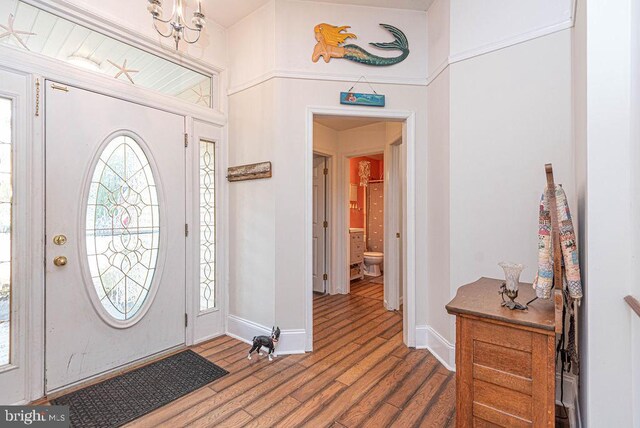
[121, 399]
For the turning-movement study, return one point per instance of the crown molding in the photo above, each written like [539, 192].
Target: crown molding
[305, 75]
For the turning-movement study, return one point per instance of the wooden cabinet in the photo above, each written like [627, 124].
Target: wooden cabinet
[505, 365]
[356, 246]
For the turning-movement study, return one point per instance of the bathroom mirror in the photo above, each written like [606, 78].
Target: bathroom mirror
[353, 193]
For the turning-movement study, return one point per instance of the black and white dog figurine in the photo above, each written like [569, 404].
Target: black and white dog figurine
[268, 342]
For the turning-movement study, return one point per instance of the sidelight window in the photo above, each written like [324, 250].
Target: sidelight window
[207, 226]
[6, 200]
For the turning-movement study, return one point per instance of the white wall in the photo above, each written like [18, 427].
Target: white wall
[635, 201]
[495, 117]
[325, 139]
[485, 25]
[607, 144]
[254, 47]
[365, 138]
[579, 78]
[438, 36]
[252, 207]
[438, 171]
[268, 117]
[510, 114]
[278, 41]
[295, 39]
[494, 121]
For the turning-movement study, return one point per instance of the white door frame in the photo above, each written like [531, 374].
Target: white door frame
[40, 68]
[24, 242]
[199, 323]
[409, 322]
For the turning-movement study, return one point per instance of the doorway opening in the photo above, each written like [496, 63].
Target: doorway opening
[365, 198]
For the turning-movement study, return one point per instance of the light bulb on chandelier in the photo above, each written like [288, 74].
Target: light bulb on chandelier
[177, 25]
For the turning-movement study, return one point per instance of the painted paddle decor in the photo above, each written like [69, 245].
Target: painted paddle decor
[331, 41]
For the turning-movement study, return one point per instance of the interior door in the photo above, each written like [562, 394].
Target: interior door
[115, 232]
[319, 229]
[393, 277]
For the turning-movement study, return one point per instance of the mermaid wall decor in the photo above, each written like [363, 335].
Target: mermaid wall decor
[331, 44]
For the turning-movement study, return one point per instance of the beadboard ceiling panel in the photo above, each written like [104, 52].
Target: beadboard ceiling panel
[61, 39]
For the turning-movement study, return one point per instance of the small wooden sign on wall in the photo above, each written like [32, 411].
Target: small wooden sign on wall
[252, 171]
[356, 99]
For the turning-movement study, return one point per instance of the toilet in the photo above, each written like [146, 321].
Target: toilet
[373, 263]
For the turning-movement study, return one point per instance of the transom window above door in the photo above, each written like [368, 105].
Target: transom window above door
[41, 32]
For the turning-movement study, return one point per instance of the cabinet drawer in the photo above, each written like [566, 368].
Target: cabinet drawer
[357, 258]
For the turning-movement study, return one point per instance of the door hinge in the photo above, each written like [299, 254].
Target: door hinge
[325, 277]
[325, 224]
[186, 320]
[186, 139]
[186, 230]
[325, 171]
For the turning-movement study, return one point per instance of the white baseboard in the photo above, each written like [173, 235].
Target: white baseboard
[571, 399]
[291, 341]
[208, 337]
[428, 338]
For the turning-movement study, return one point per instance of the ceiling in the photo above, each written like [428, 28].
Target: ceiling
[342, 123]
[227, 13]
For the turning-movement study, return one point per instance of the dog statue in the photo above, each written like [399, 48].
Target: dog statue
[268, 342]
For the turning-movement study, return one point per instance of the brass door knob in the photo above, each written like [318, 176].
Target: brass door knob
[60, 261]
[59, 239]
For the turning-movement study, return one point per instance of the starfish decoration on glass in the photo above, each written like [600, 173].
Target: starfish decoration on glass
[10, 31]
[123, 70]
[203, 97]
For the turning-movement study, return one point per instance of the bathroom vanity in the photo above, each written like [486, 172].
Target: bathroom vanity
[356, 244]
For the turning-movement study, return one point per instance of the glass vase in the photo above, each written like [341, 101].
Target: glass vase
[512, 273]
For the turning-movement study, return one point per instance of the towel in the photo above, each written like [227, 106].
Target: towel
[543, 284]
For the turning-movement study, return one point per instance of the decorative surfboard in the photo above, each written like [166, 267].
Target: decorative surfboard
[331, 44]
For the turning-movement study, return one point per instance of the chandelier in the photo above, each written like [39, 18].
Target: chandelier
[177, 25]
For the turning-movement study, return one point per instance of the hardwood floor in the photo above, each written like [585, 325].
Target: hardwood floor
[360, 374]
[368, 287]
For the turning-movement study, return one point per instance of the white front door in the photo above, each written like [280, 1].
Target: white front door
[115, 233]
[319, 228]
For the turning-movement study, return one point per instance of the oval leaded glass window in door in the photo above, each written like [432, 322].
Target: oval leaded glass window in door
[123, 228]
